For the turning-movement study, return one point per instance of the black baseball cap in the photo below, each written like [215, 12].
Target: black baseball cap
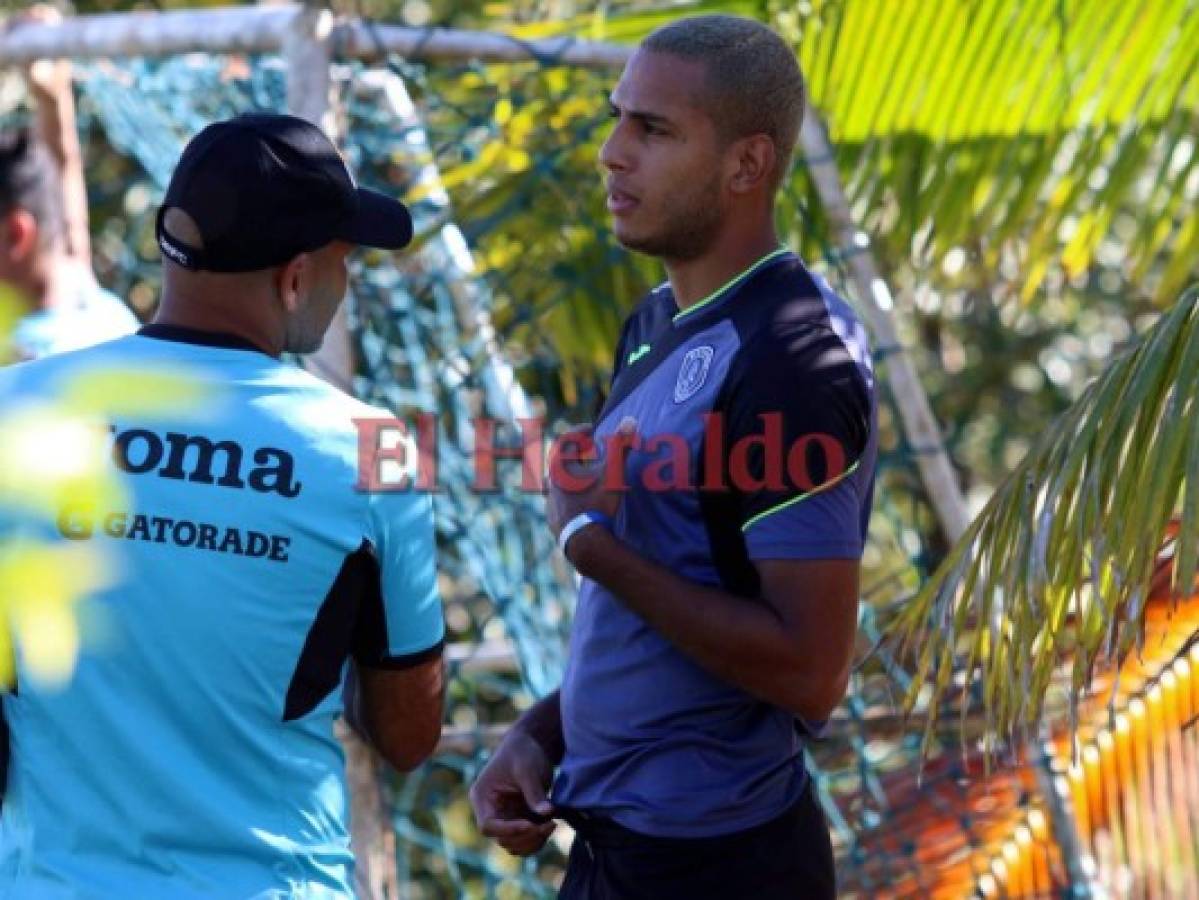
[262, 188]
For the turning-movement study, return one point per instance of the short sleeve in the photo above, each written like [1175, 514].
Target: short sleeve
[405, 623]
[800, 409]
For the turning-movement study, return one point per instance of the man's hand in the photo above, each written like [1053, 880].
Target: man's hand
[48, 79]
[586, 475]
[49, 82]
[509, 796]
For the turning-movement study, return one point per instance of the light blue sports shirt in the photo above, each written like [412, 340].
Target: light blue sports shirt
[192, 754]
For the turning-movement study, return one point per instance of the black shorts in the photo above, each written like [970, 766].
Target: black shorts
[788, 858]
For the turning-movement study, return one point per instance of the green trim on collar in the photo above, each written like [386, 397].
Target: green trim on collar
[730, 284]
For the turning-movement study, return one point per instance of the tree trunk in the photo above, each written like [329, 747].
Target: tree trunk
[919, 426]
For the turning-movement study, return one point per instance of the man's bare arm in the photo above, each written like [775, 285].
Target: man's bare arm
[399, 711]
[50, 85]
[792, 647]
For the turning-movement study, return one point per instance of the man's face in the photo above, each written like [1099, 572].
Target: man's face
[326, 287]
[663, 159]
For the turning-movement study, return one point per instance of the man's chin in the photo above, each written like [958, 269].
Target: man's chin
[661, 248]
[622, 235]
[637, 243]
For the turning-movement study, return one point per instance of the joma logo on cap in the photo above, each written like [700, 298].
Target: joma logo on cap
[174, 252]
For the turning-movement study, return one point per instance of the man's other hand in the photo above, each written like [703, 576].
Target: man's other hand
[48, 79]
[509, 796]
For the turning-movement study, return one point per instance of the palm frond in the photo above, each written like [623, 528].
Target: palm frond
[1055, 569]
[1048, 134]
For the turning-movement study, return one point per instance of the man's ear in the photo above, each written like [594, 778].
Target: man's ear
[20, 234]
[754, 158]
[293, 277]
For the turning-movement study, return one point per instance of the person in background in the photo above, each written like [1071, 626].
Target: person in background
[45, 249]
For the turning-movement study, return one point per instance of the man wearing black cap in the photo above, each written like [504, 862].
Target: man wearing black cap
[192, 753]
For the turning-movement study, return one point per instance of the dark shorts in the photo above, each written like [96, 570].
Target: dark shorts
[788, 858]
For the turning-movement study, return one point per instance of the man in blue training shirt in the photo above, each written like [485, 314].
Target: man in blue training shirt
[192, 754]
[717, 607]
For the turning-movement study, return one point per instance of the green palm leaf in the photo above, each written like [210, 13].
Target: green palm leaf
[1041, 132]
[1056, 567]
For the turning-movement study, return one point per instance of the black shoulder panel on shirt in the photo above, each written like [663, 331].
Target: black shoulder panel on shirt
[650, 316]
[792, 362]
[349, 621]
[780, 294]
[737, 573]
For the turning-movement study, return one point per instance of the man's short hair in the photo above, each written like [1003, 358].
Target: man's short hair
[29, 181]
[753, 84]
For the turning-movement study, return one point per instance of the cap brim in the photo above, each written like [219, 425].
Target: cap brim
[380, 222]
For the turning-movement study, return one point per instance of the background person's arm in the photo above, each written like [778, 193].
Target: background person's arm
[50, 86]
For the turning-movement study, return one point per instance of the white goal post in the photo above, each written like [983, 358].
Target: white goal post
[264, 29]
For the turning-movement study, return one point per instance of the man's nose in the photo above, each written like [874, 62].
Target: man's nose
[613, 155]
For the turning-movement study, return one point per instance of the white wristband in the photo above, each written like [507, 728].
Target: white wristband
[578, 523]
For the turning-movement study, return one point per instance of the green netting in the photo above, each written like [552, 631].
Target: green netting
[486, 316]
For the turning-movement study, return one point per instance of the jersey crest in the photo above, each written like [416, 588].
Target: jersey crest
[693, 372]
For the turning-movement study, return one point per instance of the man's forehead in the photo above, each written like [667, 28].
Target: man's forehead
[660, 83]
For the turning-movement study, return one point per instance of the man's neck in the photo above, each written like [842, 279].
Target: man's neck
[198, 317]
[693, 281]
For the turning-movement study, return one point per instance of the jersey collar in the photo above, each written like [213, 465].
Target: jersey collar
[727, 288]
[185, 335]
